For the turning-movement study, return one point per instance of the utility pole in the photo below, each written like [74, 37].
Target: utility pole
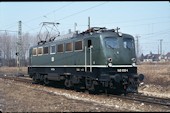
[158, 49]
[19, 46]
[89, 23]
[161, 46]
[75, 25]
[137, 47]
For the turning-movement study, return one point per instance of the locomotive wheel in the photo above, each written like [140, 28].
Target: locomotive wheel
[46, 81]
[68, 83]
[79, 88]
[34, 79]
[110, 91]
[93, 90]
[90, 85]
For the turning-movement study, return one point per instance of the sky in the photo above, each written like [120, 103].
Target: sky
[150, 21]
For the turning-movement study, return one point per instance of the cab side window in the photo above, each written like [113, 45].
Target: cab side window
[34, 51]
[52, 49]
[60, 48]
[89, 42]
[40, 51]
[45, 50]
[78, 45]
[69, 47]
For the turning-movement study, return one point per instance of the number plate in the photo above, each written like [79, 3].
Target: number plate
[122, 70]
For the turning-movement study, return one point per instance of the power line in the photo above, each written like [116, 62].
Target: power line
[146, 24]
[9, 25]
[8, 31]
[30, 28]
[50, 12]
[135, 21]
[59, 8]
[81, 11]
[13, 25]
[33, 29]
[75, 13]
[156, 33]
[44, 16]
[155, 43]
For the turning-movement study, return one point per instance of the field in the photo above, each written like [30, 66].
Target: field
[12, 70]
[158, 74]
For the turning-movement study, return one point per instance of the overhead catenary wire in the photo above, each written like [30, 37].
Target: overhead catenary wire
[135, 21]
[159, 32]
[75, 13]
[15, 24]
[8, 31]
[81, 11]
[49, 12]
[153, 35]
[10, 25]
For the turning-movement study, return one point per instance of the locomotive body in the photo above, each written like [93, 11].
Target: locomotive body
[95, 60]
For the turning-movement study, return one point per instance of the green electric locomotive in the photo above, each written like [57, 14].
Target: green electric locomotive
[94, 60]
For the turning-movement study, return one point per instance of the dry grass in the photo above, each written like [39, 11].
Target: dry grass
[12, 70]
[158, 74]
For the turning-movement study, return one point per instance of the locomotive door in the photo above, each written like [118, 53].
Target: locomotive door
[88, 55]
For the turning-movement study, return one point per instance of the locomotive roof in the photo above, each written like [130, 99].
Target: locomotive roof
[83, 35]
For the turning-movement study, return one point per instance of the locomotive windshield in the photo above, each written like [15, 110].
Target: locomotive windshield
[111, 42]
[128, 43]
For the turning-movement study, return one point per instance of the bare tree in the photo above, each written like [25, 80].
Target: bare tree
[6, 47]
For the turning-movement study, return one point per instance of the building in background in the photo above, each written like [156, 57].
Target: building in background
[155, 57]
[167, 56]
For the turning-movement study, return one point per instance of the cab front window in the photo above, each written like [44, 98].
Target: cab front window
[128, 43]
[111, 42]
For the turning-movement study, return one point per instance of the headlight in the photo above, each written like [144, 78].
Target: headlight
[133, 59]
[110, 64]
[141, 77]
[120, 34]
[109, 59]
[133, 64]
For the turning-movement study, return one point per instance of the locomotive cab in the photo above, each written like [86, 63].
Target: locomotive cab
[120, 57]
[119, 50]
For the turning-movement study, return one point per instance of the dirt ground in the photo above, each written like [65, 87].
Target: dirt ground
[19, 98]
[23, 97]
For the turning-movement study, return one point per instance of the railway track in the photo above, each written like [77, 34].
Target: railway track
[135, 97]
[20, 79]
[150, 99]
[145, 99]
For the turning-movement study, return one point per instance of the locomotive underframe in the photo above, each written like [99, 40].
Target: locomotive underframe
[110, 78]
